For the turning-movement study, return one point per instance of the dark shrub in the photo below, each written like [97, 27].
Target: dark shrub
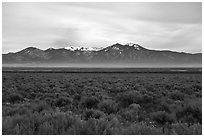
[4, 97]
[176, 95]
[127, 98]
[49, 100]
[162, 117]
[20, 110]
[15, 97]
[41, 106]
[90, 113]
[145, 99]
[108, 106]
[76, 97]
[89, 102]
[191, 112]
[131, 113]
[197, 87]
[163, 105]
[62, 101]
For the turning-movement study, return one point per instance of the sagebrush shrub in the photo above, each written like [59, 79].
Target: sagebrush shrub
[89, 102]
[185, 129]
[41, 106]
[191, 112]
[108, 106]
[91, 113]
[162, 117]
[76, 97]
[127, 98]
[176, 95]
[15, 97]
[62, 101]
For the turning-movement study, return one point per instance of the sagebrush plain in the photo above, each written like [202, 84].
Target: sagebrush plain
[101, 103]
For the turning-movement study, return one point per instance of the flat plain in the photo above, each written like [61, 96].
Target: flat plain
[97, 101]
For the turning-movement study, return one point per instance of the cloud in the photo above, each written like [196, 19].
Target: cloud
[178, 12]
[172, 26]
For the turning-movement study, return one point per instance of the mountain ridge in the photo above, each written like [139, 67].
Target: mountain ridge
[129, 53]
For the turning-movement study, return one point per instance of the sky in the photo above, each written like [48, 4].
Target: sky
[161, 26]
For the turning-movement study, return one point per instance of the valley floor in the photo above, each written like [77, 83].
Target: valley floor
[101, 103]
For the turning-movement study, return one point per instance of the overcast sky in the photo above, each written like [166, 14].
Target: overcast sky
[162, 26]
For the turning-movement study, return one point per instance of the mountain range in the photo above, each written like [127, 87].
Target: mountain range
[131, 54]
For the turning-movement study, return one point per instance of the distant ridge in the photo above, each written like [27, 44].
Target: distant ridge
[132, 54]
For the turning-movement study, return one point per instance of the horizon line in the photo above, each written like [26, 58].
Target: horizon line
[102, 47]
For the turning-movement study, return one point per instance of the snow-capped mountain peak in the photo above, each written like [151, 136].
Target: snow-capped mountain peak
[130, 44]
[95, 48]
[136, 46]
[73, 48]
[115, 48]
[51, 49]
